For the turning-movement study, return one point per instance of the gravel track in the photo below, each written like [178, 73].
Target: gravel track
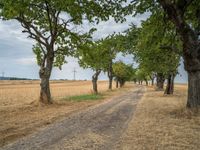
[96, 128]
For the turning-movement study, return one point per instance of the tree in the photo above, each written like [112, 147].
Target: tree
[179, 13]
[112, 46]
[49, 23]
[93, 57]
[122, 73]
[142, 75]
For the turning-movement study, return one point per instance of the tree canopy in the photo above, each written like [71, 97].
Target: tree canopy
[123, 72]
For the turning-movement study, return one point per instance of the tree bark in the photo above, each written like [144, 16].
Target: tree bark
[170, 84]
[146, 82]
[94, 81]
[152, 77]
[45, 94]
[117, 83]
[110, 75]
[110, 83]
[152, 81]
[193, 89]
[160, 81]
[45, 73]
[120, 84]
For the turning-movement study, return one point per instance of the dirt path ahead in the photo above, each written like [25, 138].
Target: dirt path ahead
[97, 128]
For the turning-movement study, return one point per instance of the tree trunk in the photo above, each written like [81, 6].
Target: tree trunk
[45, 73]
[117, 83]
[94, 81]
[170, 84]
[152, 82]
[110, 83]
[120, 84]
[146, 82]
[110, 75]
[45, 94]
[152, 77]
[160, 81]
[193, 89]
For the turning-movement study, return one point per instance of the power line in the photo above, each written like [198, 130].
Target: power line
[74, 71]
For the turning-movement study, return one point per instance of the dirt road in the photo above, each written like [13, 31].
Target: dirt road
[98, 127]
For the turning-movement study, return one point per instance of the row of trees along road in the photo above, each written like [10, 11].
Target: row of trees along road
[100, 55]
[49, 23]
[153, 53]
[185, 17]
[151, 48]
[171, 31]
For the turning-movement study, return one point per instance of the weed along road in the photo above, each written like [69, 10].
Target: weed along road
[98, 127]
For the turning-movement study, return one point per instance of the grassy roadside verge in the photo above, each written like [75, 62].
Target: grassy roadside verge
[163, 123]
[97, 97]
[84, 97]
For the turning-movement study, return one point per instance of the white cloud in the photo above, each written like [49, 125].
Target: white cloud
[26, 61]
[13, 31]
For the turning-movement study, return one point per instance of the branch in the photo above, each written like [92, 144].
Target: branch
[49, 18]
[42, 49]
[37, 35]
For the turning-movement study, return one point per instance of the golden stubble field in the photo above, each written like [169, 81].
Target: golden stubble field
[17, 93]
[20, 113]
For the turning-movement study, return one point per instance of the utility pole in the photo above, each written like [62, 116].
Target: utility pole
[3, 73]
[74, 71]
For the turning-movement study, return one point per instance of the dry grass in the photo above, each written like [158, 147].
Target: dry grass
[163, 123]
[14, 93]
[19, 116]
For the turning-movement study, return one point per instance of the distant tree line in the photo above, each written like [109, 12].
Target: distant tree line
[14, 78]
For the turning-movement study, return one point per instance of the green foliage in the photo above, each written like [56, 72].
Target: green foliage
[39, 55]
[129, 40]
[158, 49]
[123, 72]
[49, 22]
[190, 8]
[142, 74]
[112, 45]
[97, 55]
[92, 56]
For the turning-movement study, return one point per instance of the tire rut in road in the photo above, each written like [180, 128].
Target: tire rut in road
[98, 127]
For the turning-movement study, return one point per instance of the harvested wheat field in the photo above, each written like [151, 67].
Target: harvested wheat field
[20, 113]
[163, 123]
[26, 92]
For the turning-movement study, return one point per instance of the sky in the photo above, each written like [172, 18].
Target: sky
[18, 60]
